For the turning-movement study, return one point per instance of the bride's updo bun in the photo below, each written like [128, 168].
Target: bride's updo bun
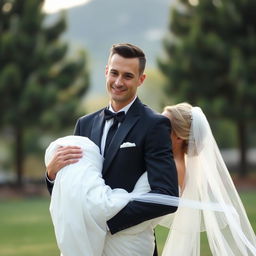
[190, 124]
[180, 117]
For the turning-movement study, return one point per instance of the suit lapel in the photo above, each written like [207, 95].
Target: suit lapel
[132, 117]
[97, 128]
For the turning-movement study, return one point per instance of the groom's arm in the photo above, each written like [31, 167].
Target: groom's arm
[162, 176]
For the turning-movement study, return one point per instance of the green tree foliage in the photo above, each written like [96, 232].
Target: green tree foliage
[211, 60]
[39, 85]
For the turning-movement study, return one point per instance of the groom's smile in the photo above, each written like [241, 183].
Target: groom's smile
[118, 89]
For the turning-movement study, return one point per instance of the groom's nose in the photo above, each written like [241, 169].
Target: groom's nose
[119, 81]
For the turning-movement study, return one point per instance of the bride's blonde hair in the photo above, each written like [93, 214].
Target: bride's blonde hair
[180, 116]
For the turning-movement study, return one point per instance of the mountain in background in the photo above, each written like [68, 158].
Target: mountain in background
[98, 24]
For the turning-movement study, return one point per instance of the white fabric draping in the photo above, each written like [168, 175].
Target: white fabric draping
[81, 204]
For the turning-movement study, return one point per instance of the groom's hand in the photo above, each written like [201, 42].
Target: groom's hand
[62, 157]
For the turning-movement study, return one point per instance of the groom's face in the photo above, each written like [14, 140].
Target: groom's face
[122, 80]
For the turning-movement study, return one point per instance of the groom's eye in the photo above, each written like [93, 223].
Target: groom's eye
[128, 76]
[113, 72]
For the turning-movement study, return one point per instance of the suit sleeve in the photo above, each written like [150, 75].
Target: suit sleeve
[162, 176]
[77, 128]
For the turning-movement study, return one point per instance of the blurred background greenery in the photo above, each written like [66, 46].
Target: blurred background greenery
[52, 70]
[52, 65]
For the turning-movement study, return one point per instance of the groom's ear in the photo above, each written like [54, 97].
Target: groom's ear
[141, 79]
[106, 70]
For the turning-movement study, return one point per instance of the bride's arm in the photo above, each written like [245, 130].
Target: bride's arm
[181, 170]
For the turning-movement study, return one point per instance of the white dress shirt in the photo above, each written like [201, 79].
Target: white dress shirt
[109, 122]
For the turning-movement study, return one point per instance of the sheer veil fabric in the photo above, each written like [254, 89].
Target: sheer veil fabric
[207, 180]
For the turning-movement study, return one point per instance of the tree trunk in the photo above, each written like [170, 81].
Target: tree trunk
[243, 165]
[19, 155]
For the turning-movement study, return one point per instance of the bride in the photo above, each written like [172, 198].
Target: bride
[203, 177]
[209, 202]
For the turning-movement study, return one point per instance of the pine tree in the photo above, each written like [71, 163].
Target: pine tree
[211, 60]
[39, 85]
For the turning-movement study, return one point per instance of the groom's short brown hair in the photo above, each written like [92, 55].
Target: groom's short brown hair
[129, 51]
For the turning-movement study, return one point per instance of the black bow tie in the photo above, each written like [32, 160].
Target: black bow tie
[120, 116]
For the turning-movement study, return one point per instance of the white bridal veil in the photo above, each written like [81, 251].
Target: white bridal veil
[207, 180]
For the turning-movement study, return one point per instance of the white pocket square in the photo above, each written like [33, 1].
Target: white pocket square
[128, 145]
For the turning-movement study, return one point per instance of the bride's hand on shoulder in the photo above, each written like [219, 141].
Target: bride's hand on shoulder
[63, 156]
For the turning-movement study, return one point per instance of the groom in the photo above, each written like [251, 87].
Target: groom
[132, 138]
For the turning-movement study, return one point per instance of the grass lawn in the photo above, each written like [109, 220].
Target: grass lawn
[26, 228]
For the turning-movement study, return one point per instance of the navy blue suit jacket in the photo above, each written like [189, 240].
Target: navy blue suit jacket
[122, 167]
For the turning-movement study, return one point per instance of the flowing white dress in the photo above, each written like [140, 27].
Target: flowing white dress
[81, 203]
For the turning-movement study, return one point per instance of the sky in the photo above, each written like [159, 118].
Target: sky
[52, 6]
